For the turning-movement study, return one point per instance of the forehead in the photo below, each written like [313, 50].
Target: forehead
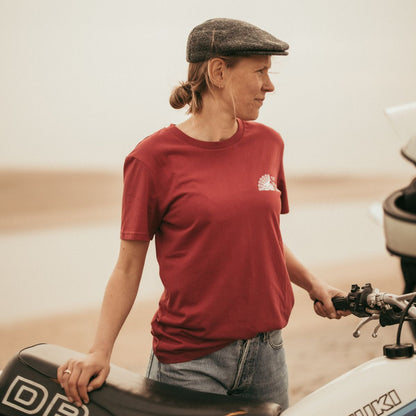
[256, 61]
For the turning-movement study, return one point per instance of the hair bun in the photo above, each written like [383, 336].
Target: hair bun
[181, 95]
[187, 86]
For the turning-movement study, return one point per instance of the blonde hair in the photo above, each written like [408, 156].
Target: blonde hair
[191, 92]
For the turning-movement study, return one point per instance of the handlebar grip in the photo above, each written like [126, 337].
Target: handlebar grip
[340, 303]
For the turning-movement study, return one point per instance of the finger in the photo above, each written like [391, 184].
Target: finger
[87, 382]
[98, 381]
[83, 385]
[72, 386]
[325, 310]
[318, 306]
[66, 374]
[329, 309]
[331, 313]
[60, 373]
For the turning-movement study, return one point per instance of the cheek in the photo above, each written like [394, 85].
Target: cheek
[242, 93]
[245, 94]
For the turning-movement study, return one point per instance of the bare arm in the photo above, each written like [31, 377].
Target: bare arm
[119, 298]
[318, 290]
[120, 294]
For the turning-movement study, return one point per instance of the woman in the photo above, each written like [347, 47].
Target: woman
[211, 191]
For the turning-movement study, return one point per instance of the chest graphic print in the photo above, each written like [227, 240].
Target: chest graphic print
[267, 183]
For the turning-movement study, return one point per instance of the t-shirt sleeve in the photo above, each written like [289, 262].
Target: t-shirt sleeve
[139, 218]
[282, 188]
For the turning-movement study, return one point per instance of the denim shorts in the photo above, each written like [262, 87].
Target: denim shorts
[250, 369]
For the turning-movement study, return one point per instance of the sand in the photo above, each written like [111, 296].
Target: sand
[317, 349]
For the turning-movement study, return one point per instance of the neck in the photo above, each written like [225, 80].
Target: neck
[213, 124]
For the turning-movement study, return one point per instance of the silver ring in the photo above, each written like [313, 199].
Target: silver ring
[67, 371]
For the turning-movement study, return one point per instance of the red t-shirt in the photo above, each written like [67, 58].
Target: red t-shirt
[214, 210]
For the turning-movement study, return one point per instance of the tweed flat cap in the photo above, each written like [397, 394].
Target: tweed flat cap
[226, 37]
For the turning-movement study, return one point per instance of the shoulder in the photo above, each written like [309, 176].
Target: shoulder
[153, 143]
[263, 131]
[154, 148]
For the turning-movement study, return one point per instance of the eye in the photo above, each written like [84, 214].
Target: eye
[263, 71]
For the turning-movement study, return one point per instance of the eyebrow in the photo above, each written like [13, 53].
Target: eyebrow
[265, 67]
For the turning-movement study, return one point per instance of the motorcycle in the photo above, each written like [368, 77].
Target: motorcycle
[383, 386]
[400, 207]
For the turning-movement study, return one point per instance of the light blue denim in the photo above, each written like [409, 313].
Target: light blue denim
[251, 369]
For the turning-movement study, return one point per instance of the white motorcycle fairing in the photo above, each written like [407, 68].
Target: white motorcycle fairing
[381, 386]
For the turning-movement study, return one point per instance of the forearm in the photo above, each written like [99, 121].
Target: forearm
[118, 300]
[79, 377]
[298, 273]
[318, 290]
[119, 295]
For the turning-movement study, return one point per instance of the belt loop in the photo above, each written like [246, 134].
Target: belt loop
[265, 336]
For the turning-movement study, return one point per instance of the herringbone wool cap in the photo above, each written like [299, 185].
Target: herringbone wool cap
[227, 37]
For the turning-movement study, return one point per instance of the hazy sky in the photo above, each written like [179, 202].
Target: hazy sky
[82, 81]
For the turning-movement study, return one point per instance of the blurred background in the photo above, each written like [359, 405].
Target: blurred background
[82, 81]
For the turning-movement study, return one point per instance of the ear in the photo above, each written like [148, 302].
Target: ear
[216, 72]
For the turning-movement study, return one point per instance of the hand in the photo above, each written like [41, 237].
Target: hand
[79, 377]
[322, 294]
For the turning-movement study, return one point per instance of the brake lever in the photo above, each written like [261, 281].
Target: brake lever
[357, 333]
[375, 332]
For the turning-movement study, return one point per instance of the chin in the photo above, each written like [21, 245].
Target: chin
[248, 117]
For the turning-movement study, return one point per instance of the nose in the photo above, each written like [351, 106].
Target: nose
[268, 84]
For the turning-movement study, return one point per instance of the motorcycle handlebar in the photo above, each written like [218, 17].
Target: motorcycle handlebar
[365, 301]
[369, 303]
[340, 303]
[356, 301]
